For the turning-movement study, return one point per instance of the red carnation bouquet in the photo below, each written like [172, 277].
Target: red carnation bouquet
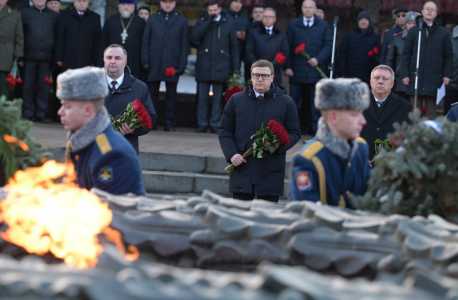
[234, 86]
[170, 72]
[273, 133]
[134, 115]
[48, 79]
[301, 50]
[373, 53]
[13, 76]
[279, 58]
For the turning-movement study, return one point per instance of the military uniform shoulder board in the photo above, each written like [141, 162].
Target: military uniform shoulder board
[361, 140]
[396, 34]
[103, 143]
[453, 104]
[311, 150]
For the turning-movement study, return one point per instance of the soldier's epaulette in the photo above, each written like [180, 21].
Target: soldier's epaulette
[453, 104]
[361, 140]
[103, 143]
[396, 34]
[311, 150]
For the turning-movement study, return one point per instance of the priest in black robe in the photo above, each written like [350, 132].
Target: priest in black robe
[124, 28]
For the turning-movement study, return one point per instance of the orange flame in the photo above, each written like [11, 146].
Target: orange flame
[12, 139]
[45, 216]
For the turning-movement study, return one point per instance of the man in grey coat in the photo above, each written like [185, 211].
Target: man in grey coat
[164, 46]
[217, 58]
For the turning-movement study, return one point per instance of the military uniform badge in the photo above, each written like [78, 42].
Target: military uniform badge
[304, 181]
[105, 174]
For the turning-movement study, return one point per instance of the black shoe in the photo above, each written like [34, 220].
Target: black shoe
[169, 129]
[213, 130]
[42, 120]
[201, 130]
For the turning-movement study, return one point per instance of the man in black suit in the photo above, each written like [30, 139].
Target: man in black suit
[385, 108]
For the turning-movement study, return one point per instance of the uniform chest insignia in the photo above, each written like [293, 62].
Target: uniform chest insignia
[105, 174]
[304, 181]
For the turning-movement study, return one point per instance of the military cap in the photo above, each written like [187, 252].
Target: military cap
[401, 9]
[342, 93]
[411, 16]
[88, 83]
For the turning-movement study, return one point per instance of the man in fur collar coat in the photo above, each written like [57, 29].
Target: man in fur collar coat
[335, 162]
[103, 158]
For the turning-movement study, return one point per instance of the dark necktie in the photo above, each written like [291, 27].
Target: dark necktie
[379, 103]
[260, 97]
[268, 31]
[113, 85]
[308, 23]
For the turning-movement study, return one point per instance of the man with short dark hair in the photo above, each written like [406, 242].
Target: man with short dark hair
[256, 15]
[217, 58]
[266, 41]
[245, 112]
[40, 26]
[165, 45]
[335, 162]
[385, 108]
[399, 15]
[102, 158]
[125, 88]
[435, 63]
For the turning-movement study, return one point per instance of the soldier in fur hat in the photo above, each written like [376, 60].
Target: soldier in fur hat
[103, 158]
[335, 162]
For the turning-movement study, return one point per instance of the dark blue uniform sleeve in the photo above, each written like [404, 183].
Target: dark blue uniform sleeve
[118, 173]
[452, 113]
[303, 180]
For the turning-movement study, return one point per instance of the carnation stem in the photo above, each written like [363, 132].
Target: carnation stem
[317, 68]
[247, 153]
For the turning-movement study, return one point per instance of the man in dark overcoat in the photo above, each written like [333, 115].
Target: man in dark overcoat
[165, 45]
[40, 27]
[354, 58]
[266, 41]
[11, 43]
[125, 28]
[394, 56]
[243, 115]
[217, 58]
[451, 94]
[78, 37]
[436, 60]
[124, 89]
[399, 15]
[385, 108]
[317, 37]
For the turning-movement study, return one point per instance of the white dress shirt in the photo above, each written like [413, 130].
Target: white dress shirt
[119, 81]
[310, 21]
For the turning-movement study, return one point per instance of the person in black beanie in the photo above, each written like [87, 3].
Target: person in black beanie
[143, 12]
[356, 51]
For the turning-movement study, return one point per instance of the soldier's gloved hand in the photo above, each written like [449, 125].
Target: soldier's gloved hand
[179, 72]
[146, 67]
[236, 71]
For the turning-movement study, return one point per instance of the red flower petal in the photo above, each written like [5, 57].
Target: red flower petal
[279, 131]
[375, 50]
[371, 53]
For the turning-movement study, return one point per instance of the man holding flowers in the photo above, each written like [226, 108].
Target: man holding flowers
[336, 162]
[259, 104]
[125, 88]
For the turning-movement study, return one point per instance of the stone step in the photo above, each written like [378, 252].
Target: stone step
[155, 161]
[187, 183]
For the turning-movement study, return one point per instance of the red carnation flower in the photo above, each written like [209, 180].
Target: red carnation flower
[170, 72]
[375, 49]
[300, 48]
[423, 110]
[48, 80]
[231, 91]
[280, 58]
[371, 53]
[10, 75]
[279, 131]
[19, 80]
[142, 113]
[396, 139]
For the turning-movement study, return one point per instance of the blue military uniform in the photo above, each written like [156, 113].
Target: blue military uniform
[109, 163]
[319, 175]
[452, 114]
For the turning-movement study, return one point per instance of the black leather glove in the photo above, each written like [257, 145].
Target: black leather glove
[236, 72]
[179, 72]
[146, 67]
[212, 16]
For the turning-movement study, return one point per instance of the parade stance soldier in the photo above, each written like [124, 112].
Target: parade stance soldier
[102, 157]
[394, 56]
[11, 43]
[244, 114]
[165, 45]
[125, 28]
[335, 162]
[400, 21]
[125, 88]
[385, 108]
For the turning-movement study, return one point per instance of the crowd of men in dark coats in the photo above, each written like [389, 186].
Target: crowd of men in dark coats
[226, 41]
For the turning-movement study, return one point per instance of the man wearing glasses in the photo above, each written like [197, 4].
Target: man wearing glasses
[243, 115]
[399, 15]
